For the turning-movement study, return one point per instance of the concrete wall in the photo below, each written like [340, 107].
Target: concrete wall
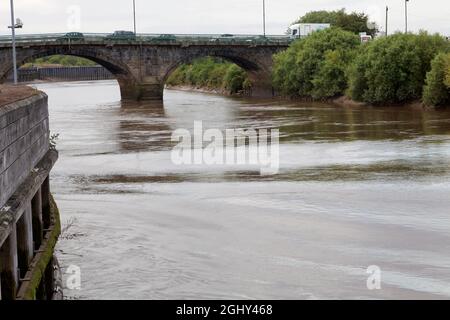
[29, 220]
[24, 140]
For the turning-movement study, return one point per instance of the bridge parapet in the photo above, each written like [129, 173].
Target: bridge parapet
[147, 38]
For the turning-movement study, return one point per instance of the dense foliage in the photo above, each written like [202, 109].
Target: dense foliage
[62, 60]
[354, 22]
[447, 73]
[393, 69]
[437, 88]
[316, 66]
[211, 73]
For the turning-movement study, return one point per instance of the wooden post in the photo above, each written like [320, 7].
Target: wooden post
[25, 240]
[9, 267]
[45, 194]
[38, 228]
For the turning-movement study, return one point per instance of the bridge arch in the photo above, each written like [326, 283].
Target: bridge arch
[243, 63]
[121, 71]
[259, 73]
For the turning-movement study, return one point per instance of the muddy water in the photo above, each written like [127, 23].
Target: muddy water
[357, 187]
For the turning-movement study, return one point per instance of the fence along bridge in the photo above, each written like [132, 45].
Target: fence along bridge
[142, 63]
[89, 73]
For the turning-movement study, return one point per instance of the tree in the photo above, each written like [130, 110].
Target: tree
[447, 72]
[212, 73]
[353, 22]
[316, 66]
[234, 79]
[437, 89]
[393, 69]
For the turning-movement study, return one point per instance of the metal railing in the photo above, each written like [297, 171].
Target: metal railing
[148, 38]
[81, 73]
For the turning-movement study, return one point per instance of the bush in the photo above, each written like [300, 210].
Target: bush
[447, 73]
[212, 73]
[437, 88]
[234, 79]
[393, 69]
[178, 76]
[316, 66]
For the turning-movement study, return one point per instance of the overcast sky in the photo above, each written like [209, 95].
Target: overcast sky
[208, 16]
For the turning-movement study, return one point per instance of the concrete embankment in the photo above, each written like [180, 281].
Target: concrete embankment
[29, 219]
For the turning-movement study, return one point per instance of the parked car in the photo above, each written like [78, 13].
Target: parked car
[165, 38]
[226, 37]
[257, 40]
[73, 36]
[262, 39]
[122, 35]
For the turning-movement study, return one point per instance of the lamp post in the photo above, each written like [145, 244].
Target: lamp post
[387, 17]
[14, 25]
[406, 16]
[264, 17]
[134, 15]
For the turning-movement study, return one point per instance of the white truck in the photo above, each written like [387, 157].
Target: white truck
[365, 37]
[301, 30]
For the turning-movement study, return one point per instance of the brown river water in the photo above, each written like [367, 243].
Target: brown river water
[357, 187]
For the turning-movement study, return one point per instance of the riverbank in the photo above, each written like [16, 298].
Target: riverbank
[189, 88]
[348, 102]
[11, 93]
[342, 101]
[345, 101]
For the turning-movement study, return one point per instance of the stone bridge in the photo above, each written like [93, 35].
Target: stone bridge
[142, 67]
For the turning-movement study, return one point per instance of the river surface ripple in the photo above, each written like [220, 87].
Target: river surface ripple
[357, 187]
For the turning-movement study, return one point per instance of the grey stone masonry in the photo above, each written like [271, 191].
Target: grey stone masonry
[142, 69]
[24, 140]
[29, 220]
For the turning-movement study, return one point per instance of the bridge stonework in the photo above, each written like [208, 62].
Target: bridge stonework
[142, 69]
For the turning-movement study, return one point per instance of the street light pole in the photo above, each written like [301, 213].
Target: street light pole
[13, 33]
[134, 15]
[406, 16]
[387, 17]
[264, 17]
